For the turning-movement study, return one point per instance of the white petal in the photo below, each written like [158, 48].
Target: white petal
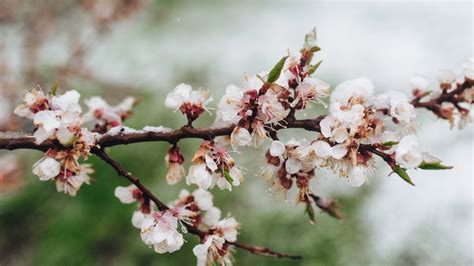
[137, 219]
[203, 199]
[277, 148]
[322, 149]
[48, 120]
[47, 168]
[293, 166]
[124, 194]
[339, 151]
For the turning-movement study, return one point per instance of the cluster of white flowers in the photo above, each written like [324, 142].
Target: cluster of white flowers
[214, 247]
[261, 104]
[58, 118]
[106, 116]
[190, 102]
[160, 229]
[213, 165]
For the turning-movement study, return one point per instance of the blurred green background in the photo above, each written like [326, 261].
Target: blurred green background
[209, 45]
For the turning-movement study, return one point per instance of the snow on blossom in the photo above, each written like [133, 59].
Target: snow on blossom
[160, 230]
[407, 153]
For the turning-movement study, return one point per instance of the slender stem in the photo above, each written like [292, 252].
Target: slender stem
[123, 172]
[264, 251]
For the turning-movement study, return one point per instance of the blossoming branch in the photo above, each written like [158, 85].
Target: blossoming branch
[360, 125]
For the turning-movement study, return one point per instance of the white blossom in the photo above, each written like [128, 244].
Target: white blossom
[33, 102]
[203, 199]
[103, 113]
[311, 89]
[277, 148]
[240, 136]
[407, 153]
[351, 92]
[398, 105]
[419, 83]
[230, 104]
[446, 77]
[184, 93]
[357, 175]
[211, 217]
[199, 175]
[201, 251]
[160, 230]
[70, 184]
[125, 194]
[47, 168]
[228, 228]
[137, 219]
[67, 102]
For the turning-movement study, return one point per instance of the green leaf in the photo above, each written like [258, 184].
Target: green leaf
[276, 70]
[403, 174]
[314, 49]
[434, 166]
[227, 176]
[389, 144]
[54, 89]
[312, 68]
[310, 211]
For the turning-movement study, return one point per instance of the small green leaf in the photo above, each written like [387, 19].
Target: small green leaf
[403, 174]
[276, 70]
[54, 89]
[312, 68]
[434, 166]
[310, 211]
[227, 176]
[314, 49]
[389, 144]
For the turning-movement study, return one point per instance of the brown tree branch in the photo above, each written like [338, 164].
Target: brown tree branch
[13, 141]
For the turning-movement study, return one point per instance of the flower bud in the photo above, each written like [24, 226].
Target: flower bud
[174, 160]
